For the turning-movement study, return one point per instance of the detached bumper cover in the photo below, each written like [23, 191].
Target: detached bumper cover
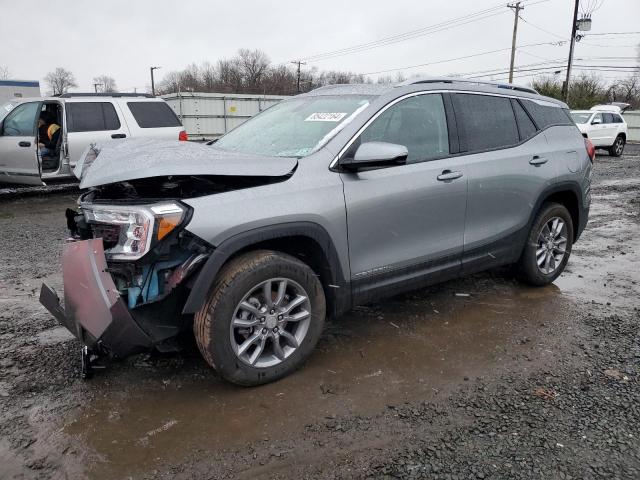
[93, 310]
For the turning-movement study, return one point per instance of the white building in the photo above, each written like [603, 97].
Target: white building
[18, 88]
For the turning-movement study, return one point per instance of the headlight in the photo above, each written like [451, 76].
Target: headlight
[128, 232]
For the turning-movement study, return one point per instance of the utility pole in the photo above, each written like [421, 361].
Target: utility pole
[516, 7]
[574, 28]
[299, 63]
[95, 86]
[153, 86]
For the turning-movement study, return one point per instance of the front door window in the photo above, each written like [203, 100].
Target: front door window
[21, 122]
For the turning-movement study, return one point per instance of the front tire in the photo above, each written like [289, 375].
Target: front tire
[617, 148]
[263, 318]
[548, 246]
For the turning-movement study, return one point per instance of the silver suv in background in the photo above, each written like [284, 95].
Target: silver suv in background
[83, 119]
[338, 197]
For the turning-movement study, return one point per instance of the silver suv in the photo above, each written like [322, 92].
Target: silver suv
[331, 199]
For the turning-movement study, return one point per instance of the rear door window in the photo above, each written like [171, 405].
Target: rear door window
[547, 115]
[91, 117]
[153, 114]
[487, 122]
[608, 118]
[418, 123]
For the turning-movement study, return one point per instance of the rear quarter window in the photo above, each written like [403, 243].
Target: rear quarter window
[153, 114]
[526, 127]
[547, 115]
[91, 117]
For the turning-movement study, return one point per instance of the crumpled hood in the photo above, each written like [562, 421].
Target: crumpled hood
[123, 160]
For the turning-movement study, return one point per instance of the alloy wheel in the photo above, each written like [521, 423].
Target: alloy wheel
[619, 146]
[270, 322]
[551, 246]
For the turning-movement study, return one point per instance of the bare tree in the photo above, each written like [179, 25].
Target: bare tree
[60, 81]
[626, 91]
[209, 77]
[106, 83]
[4, 72]
[253, 64]
[548, 86]
[250, 72]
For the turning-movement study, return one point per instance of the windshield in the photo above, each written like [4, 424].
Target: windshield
[5, 108]
[296, 127]
[580, 117]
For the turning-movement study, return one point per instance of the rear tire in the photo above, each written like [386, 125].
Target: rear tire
[279, 340]
[617, 148]
[546, 252]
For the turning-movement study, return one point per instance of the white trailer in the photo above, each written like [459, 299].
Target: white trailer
[18, 88]
[211, 115]
[633, 125]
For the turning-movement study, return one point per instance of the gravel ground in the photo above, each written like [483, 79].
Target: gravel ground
[508, 382]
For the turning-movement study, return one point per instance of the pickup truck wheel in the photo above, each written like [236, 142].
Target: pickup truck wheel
[263, 318]
[548, 246]
[617, 148]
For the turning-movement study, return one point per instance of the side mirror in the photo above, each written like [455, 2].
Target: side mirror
[596, 121]
[376, 155]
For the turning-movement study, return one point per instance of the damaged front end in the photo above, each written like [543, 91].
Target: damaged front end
[130, 261]
[126, 271]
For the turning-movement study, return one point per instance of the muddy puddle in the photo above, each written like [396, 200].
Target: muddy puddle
[411, 348]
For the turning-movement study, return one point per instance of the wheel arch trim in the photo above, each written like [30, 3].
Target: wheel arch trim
[205, 279]
[572, 187]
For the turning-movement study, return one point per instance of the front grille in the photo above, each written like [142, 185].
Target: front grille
[110, 234]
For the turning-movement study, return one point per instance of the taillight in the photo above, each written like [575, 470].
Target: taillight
[182, 136]
[591, 150]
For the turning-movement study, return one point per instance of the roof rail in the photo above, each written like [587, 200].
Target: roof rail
[114, 94]
[509, 86]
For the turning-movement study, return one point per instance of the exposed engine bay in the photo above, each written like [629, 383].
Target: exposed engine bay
[174, 187]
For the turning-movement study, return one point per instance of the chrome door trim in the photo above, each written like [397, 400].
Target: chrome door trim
[334, 163]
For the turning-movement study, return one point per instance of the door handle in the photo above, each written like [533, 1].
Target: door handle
[24, 144]
[536, 160]
[118, 135]
[448, 175]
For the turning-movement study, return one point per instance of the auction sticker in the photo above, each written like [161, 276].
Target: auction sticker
[325, 117]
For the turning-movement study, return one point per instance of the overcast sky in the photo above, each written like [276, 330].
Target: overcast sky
[123, 38]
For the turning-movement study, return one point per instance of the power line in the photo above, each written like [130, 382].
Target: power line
[554, 62]
[612, 33]
[399, 38]
[575, 68]
[456, 58]
[604, 68]
[542, 29]
[587, 7]
[409, 35]
[608, 46]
